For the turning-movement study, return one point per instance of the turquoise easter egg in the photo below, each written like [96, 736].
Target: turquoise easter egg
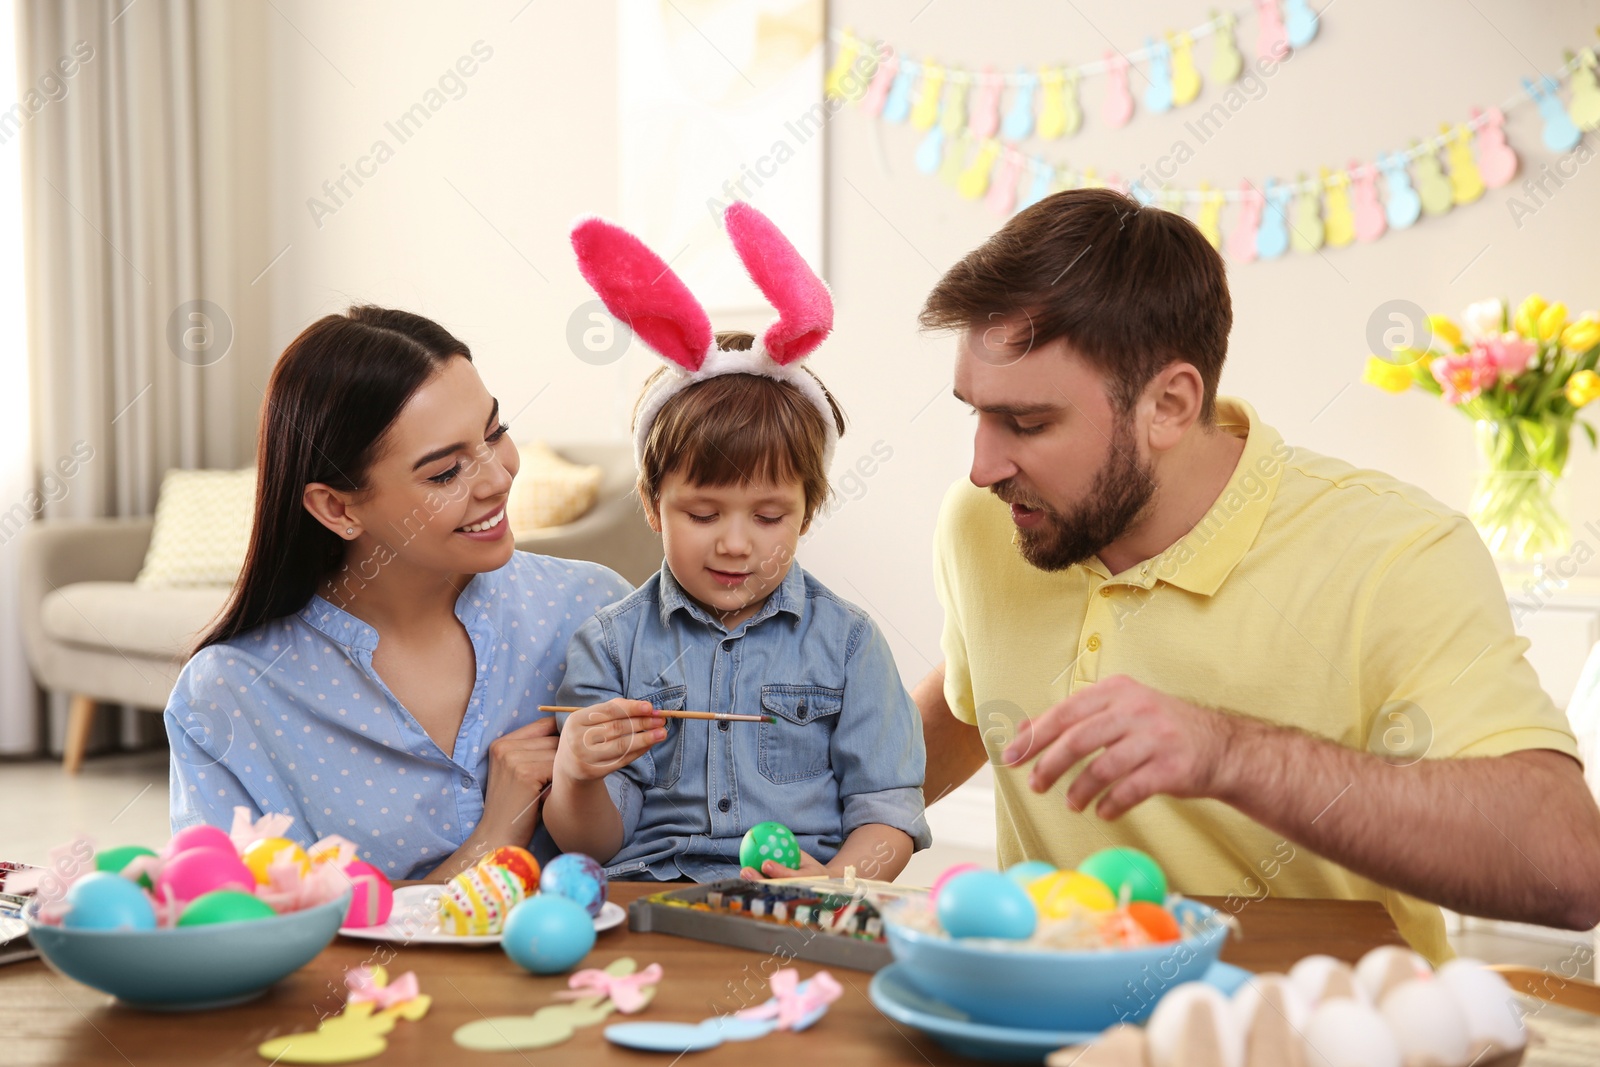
[547, 934]
[101, 900]
[986, 904]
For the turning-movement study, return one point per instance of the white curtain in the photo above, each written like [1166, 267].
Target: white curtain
[137, 149]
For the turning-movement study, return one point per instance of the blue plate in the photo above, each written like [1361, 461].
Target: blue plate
[897, 998]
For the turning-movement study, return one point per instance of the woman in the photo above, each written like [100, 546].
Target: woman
[377, 670]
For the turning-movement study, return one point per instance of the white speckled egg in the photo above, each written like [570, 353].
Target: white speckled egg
[1427, 1022]
[1320, 978]
[1490, 1007]
[1194, 1024]
[1344, 1032]
[1386, 967]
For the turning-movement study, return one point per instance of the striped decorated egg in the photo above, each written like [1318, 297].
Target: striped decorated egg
[476, 902]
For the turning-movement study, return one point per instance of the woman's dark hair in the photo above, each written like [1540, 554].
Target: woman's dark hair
[333, 395]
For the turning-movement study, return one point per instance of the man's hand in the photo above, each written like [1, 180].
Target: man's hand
[1153, 743]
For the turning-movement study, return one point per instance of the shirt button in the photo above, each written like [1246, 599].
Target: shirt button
[800, 712]
[466, 781]
[723, 804]
[723, 725]
[1093, 644]
[1105, 590]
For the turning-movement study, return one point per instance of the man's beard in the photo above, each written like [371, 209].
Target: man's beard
[1121, 490]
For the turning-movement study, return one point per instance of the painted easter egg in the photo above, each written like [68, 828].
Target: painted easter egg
[1127, 867]
[520, 862]
[113, 860]
[192, 837]
[547, 934]
[578, 878]
[371, 896]
[1154, 920]
[986, 904]
[476, 902]
[769, 841]
[197, 871]
[259, 855]
[101, 900]
[224, 906]
[1058, 895]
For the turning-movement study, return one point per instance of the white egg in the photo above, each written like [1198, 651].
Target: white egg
[1322, 977]
[1344, 1032]
[1271, 1014]
[1386, 967]
[1490, 1006]
[1428, 1023]
[1194, 1024]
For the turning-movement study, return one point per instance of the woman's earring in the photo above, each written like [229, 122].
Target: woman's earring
[349, 530]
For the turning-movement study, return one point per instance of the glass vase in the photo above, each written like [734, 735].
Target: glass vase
[1519, 504]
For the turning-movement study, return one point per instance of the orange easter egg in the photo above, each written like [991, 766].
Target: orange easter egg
[519, 861]
[1156, 920]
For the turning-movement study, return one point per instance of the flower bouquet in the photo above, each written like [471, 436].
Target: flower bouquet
[1522, 377]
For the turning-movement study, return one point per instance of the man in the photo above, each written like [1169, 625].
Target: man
[1278, 673]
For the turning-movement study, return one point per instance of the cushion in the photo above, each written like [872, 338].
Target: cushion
[549, 490]
[202, 529]
[132, 619]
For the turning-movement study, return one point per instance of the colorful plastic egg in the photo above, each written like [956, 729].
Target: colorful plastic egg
[1029, 871]
[371, 895]
[547, 934]
[113, 860]
[259, 855]
[225, 906]
[520, 862]
[191, 837]
[197, 871]
[1155, 920]
[985, 904]
[477, 901]
[1058, 895]
[1128, 867]
[101, 900]
[578, 878]
[769, 841]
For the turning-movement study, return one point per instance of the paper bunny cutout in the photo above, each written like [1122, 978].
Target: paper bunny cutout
[640, 289]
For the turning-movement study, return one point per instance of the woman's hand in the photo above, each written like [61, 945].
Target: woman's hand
[521, 765]
[606, 737]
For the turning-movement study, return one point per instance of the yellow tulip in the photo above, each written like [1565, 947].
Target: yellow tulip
[1583, 334]
[1445, 330]
[1552, 320]
[1583, 387]
[1387, 376]
[1526, 320]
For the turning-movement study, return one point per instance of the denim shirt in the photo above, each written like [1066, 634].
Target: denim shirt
[845, 748]
[291, 717]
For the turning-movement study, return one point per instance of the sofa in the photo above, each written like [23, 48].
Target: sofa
[93, 634]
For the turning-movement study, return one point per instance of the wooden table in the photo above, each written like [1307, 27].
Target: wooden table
[48, 1019]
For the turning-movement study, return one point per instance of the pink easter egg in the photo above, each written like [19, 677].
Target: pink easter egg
[949, 873]
[197, 871]
[198, 837]
[371, 898]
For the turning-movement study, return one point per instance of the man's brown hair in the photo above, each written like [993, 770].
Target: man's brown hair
[1131, 289]
[736, 429]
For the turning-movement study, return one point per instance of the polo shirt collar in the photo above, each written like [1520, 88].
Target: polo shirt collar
[1202, 559]
[789, 597]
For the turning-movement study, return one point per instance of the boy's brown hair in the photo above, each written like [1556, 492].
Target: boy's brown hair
[736, 429]
[1131, 289]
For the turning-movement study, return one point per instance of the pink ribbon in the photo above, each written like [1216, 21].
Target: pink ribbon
[791, 1003]
[626, 990]
[364, 986]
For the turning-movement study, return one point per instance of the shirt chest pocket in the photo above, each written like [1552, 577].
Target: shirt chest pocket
[666, 755]
[797, 744]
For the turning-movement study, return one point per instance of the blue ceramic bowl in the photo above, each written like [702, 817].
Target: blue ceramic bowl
[1044, 990]
[191, 967]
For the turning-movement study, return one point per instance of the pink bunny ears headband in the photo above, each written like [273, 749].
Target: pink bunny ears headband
[638, 287]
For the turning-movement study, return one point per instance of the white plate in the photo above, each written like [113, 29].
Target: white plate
[415, 921]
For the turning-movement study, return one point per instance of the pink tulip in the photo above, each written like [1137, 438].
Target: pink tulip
[1509, 353]
[1464, 376]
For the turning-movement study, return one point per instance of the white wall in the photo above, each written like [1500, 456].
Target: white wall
[468, 223]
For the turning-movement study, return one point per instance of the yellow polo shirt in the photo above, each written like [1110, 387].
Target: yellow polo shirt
[1313, 594]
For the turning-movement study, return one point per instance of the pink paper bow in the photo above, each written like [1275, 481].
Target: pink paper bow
[625, 990]
[364, 986]
[791, 1003]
